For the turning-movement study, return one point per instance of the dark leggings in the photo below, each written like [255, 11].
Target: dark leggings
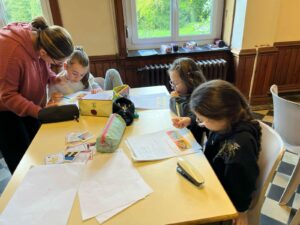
[16, 134]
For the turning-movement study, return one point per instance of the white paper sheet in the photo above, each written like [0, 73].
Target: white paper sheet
[107, 215]
[45, 196]
[110, 182]
[162, 144]
[103, 95]
[151, 101]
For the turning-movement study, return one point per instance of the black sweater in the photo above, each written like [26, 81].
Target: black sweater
[233, 156]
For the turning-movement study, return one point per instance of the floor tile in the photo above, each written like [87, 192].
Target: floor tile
[273, 210]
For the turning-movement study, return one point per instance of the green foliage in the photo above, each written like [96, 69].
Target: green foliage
[22, 10]
[154, 16]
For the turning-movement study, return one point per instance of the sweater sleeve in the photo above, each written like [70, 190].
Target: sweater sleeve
[9, 94]
[92, 83]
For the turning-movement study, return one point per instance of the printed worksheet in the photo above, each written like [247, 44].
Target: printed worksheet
[163, 144]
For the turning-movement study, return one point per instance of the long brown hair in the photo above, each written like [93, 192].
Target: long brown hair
[219, 99]
[191, 75]
[79, 56]
[55, 40]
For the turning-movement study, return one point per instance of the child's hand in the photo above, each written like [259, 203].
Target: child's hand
[60, 80]
[96, 90]
[181, 122]
[56, 97]
[174, 94]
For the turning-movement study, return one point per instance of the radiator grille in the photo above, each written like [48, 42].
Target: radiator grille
[151, 75]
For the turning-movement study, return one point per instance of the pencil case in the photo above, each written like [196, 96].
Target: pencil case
[110, 137]
[58, 113]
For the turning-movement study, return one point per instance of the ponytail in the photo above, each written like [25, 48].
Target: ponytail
[55, 40]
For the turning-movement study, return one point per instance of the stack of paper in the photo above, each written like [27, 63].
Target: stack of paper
[109, 185]
[151, 101]
[45, 196]
[162, 144]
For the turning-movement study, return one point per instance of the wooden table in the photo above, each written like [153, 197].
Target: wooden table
[174, 200]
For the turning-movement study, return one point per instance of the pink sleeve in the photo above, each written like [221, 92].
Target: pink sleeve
[52, 75]
[10, 96]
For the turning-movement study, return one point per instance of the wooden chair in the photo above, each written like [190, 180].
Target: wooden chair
[272, 150]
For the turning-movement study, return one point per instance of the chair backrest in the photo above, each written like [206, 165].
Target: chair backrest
[286, 118]
[272, 149]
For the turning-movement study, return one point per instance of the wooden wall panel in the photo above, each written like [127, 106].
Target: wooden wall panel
[287, 74]
[129, 66]
[264, 74]
[279, 64]
[243, 67]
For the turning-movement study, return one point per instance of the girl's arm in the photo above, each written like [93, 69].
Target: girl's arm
[95, 87]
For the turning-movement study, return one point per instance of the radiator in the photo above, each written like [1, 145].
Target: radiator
[157, 74]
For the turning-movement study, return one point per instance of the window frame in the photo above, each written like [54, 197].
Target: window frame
[50, 11]
[133, 43]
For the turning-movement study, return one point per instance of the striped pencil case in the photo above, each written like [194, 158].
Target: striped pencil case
[110, 137]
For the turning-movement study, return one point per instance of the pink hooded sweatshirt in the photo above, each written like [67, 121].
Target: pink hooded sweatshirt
[23, 75]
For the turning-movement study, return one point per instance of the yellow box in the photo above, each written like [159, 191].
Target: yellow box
[95, 107]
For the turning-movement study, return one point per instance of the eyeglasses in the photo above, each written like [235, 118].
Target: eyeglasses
[172, 84]
[57, 62]
[199, 122]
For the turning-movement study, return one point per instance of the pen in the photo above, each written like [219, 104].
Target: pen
[177, 109]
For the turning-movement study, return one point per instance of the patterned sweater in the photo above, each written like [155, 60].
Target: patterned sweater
[233, 156]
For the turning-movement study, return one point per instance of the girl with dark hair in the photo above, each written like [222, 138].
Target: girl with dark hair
[233, 144]
[185, 76]
[76, 77]
[26, 52]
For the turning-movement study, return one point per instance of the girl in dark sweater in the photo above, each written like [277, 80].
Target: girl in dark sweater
[185, 77]
[233, 144]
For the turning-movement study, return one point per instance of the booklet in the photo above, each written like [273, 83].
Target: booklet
[162, 144]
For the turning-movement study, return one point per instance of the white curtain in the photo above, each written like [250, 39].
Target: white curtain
[2, 15]
[46, 11]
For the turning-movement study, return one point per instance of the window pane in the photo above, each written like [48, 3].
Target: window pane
[153, 18]
[22, 10]
[194, 17]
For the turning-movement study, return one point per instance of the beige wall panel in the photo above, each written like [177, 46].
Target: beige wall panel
[261, 23]
[288, 28]
[91, 24]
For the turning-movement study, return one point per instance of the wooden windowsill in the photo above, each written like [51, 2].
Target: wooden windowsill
[181, 51]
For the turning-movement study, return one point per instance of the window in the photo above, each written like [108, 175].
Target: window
[151, 23]
[23, 10]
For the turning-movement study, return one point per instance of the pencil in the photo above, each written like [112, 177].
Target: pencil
[177, 109]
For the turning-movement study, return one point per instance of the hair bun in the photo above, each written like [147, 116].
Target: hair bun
[79, 48]
[39, 23]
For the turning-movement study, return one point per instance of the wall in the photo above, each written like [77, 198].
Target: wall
[288, 23]
[270, 48]
[91, 24]
[260, 22]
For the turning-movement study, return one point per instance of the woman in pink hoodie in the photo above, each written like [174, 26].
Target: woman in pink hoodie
[26, 52]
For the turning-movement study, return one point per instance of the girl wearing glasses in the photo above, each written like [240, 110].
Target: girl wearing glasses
[76, 77]
[26, 52]
[185, 76]
[233, 144]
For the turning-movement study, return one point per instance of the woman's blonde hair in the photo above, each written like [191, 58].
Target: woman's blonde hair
[55, 40]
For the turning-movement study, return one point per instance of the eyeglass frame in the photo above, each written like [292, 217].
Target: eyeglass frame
[172, 84]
